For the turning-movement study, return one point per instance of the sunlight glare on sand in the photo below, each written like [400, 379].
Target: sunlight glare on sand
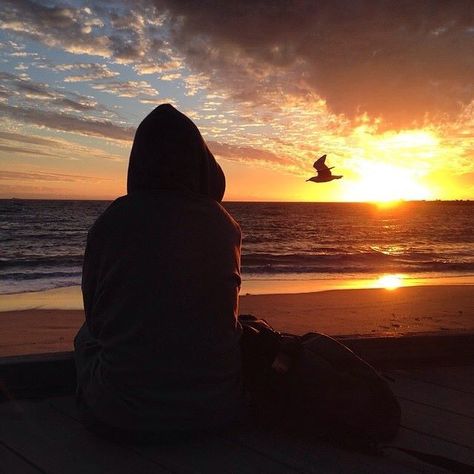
[389, 282]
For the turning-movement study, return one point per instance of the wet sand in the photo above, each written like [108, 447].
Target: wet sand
[368, 311]
[42, 326]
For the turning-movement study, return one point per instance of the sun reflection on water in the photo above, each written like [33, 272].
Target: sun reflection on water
[389, 282]
[388, 204]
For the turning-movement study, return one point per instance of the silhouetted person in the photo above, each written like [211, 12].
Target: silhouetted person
[159, 352]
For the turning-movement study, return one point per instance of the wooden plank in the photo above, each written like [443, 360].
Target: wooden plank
[438, 424]
[302, 454]
[37, 375]
[58, 444]
[432, 425]
[454, 427]
[441, 411]
[414, 350]
[299, 453]
[419, 391]
[54, 373]
[65, 405]
[427, 444]
[456, 378]
[12, 463]
[204, 454]
[213, 454]
[312, 455]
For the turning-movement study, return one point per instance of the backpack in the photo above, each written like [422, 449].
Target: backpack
[316, 385]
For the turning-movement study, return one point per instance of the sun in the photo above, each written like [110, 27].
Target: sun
[391, 167]
[381, 182]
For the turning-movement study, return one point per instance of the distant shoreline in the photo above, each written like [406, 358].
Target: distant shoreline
[259, 202]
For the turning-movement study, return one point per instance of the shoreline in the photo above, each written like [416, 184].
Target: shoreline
[442, 309]
[70, 297]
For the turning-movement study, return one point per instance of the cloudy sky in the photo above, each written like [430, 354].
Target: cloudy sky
[384, 88]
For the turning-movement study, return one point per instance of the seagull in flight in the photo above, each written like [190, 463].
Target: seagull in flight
[324, 173]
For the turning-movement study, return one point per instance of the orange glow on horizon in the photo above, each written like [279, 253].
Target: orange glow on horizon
[392, 166]
[380, 182]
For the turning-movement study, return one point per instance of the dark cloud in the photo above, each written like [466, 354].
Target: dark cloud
[69, 27]
[25, 89]
[21, 138]
[401, 60]
[18, 175]
[20, 149]
[236, 152]
[43, 146]
[107, 129]
[70, 104]
[395, 59]
[68, 123]
[125, 33]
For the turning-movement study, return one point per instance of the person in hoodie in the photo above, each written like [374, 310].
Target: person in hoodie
[159, 350]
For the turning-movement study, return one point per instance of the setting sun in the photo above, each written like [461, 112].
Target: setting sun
[382, 182]
[392, 166]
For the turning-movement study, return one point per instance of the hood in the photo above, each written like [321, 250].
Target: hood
[169, 153]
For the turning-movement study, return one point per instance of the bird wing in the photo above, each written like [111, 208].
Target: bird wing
[319, 163]
[321, 167]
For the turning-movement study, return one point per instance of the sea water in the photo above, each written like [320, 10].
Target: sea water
[42, 242]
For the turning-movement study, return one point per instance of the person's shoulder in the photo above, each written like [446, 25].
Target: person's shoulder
[225, 216]
[110, 216]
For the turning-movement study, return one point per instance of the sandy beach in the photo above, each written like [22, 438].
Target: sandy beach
[47, 321]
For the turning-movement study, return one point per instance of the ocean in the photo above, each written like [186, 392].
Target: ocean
[42, 241]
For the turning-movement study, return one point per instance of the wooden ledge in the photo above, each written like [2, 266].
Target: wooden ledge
[41, 375]
[414, 350]
[37, 375]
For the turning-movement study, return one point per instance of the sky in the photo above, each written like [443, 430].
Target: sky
[384, 88]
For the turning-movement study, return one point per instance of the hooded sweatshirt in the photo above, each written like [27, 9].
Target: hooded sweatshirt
[160, 347]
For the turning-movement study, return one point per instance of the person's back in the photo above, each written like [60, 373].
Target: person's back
[160, 351]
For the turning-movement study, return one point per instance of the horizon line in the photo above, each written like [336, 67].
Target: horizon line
[395, 201]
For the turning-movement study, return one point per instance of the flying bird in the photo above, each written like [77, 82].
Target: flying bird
[324, 173]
